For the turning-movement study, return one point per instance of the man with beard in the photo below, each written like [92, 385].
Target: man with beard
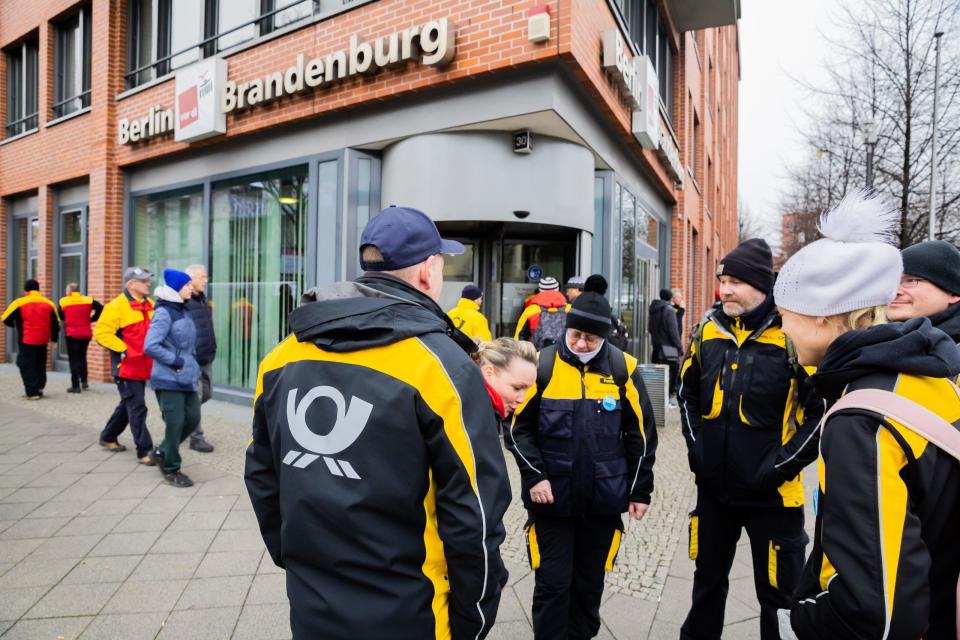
[930, 287]
[749, 416]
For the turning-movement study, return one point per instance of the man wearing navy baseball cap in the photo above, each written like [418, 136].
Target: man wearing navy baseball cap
[410, 495]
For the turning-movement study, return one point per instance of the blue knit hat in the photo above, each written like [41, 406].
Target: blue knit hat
[176, 280]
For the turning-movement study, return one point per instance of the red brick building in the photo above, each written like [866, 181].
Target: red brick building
[256, 137]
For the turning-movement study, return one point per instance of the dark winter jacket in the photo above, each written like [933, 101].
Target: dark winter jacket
[664, 331]
[172, 342]
[199, 309]
[597, 458]
[748, 411]
[885, 558]
[396, 532]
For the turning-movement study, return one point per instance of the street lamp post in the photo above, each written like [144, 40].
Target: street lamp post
[870, 142]
[933, 144]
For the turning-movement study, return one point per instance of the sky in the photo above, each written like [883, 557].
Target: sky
[779, 41]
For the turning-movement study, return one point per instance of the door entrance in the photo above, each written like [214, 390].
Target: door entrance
[500, 258]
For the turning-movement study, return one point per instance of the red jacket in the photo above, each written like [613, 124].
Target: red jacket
[78, 311]
[122, 329]
[35, 319]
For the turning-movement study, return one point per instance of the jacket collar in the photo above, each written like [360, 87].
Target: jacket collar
[496, 400]
[464, 303]
[756, 322]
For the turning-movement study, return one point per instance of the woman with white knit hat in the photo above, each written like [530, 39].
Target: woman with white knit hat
[885, 559]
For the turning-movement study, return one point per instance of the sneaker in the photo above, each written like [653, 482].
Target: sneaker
[156, 457]
[73, 389]
[177, 479]
[201, 445]
[147, 461]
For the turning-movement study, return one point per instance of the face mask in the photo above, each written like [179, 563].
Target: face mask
[587, 357]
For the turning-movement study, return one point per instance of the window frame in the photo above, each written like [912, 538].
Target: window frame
[140, 71]
[19, 53]
[82, 50]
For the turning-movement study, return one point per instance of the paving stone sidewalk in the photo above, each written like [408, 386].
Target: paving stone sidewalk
[93, 545]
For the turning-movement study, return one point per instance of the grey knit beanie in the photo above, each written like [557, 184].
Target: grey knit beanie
[852, 267]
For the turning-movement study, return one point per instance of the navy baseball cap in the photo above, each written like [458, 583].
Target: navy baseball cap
[405, 237]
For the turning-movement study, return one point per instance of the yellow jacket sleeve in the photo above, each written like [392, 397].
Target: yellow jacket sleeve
[105, 331]
[524, 317]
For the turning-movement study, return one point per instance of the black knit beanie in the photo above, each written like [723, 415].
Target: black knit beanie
[666, 295]
[752, 262]
[590, 312]
[934, 260]
[596, 283]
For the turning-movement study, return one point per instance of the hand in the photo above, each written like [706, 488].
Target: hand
[786, 628]
[542, 493]
[638, 510]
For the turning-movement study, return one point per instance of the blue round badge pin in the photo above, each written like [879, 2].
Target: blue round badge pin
[609, 403]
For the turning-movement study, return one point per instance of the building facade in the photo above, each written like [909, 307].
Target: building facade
[257, 137]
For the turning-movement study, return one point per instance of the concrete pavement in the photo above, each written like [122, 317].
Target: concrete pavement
[93, 545]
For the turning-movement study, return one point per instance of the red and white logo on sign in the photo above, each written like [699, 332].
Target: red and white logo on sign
[189, 107]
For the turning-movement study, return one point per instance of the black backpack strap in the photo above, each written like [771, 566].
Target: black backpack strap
[548, 356]
[618, 368]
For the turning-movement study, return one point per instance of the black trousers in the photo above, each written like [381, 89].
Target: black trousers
[777, 543]
[32, 362]
[77, 353]
[674, 373]
[568, 586]
[132, 410]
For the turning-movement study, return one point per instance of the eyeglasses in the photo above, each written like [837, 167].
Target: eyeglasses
[591, 340]
[910, 283]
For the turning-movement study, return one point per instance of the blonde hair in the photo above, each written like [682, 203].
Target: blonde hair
[500, 352]
[861, 318]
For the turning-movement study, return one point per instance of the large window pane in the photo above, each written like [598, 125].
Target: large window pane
[293, 12]
[168, 230]
[142, 45]
[186, 29]
[72, 86]
[71, 230]
[628, 268]
[257, 249]
[232, 13]
[21, 63]
[70, 270]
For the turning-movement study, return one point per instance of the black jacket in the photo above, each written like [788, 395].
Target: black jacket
[665, 331]
[597, 459]
[199, 309]
[375, 469]
[948, 321]
[885, 557]
[748, 411]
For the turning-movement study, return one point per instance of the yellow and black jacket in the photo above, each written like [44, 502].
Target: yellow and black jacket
[122, 328]
[375, 469]
[466, 316]
[748, 411]
[886, 556]
[595, 444]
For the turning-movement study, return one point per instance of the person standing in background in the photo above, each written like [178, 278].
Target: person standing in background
[466, 315]
[78, 311]
[37, 323]
[573, 288]
[201, 312]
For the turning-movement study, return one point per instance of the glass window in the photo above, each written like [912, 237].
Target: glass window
[257, 249]
[72, 85]
[186, 29]
[142, 41]
[168, 230]
[628, 276]
[22, 87]
[293, 12]
[71, 230]
[651, 31]
[232, 13]
[71, 266]
[665, 73]
[643, 224]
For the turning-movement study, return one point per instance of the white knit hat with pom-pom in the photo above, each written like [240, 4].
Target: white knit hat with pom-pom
[852, 267]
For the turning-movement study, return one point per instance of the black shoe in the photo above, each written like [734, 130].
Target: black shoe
[201, 445]
[84, 385]
[177, 479]
[73, 389]
[156, 457]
